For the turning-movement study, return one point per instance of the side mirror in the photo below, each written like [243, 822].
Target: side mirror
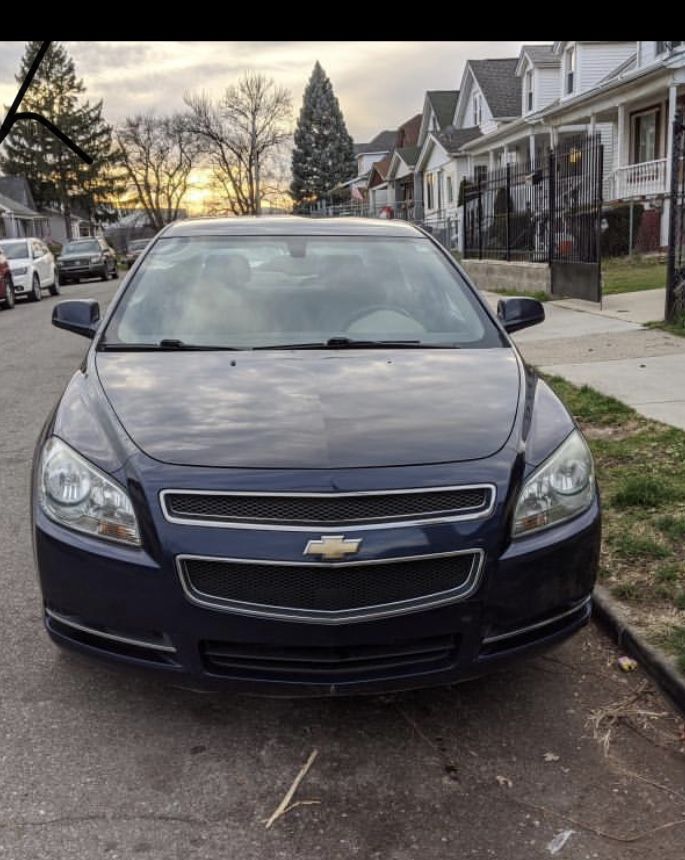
[517, 313]
[82, 316]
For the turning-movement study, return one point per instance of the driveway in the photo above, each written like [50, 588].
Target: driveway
[96, 764]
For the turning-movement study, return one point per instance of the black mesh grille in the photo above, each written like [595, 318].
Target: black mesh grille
[326, 588]
[329, 664]
[327, 510]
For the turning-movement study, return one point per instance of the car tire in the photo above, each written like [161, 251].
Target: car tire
[36, 293]
[10, 299]
[105, 274]
[55, 285]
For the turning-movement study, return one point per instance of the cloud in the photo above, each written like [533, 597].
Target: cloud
[378, 84]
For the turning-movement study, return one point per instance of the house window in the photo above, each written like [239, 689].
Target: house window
[477, 110]
[429, 191]
[480, 172]
[450, 190]
[529, 90]
[646, 136]
[570, 69]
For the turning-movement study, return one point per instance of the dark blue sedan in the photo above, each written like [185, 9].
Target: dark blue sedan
[303, 457]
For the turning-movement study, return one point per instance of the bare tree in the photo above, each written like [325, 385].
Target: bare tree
[158, 154]
[241, 134]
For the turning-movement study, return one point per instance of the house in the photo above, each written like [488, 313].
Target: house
[628, 92]
[17, 220]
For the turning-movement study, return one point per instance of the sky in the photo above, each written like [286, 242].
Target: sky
[379, 84]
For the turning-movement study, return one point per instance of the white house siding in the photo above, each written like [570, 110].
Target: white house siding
[646, 53]
[595, 60]
[545, 87]
[440, 165]
[367, 160]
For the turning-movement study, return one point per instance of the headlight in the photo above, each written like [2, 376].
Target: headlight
[97, 258]
[20, 270]
[78, 495]
[563, 486]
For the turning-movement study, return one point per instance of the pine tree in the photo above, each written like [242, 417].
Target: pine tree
[56, 175]
[324, 153]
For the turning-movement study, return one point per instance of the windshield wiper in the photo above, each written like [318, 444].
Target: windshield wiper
[350, 343]
[165, 345]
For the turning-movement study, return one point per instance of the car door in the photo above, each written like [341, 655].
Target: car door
[40, 262]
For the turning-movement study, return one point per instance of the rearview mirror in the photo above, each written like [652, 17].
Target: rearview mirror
[82, 316]
[517, 313]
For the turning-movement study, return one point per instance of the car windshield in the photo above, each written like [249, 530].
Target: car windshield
[83, 246]
[15, 250]
[262, 292]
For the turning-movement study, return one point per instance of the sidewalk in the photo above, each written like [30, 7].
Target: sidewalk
[610, 350]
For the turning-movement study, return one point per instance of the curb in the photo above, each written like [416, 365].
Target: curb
[611, 615]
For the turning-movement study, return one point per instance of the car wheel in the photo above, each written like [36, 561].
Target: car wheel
[105, 274]
[55, 285]
[36, 292]
[10, 300]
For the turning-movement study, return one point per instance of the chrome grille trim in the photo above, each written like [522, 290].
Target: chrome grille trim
[343, 616]
[378, 523]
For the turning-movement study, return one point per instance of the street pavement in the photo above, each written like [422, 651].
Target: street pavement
[609, 349]
[97, 764]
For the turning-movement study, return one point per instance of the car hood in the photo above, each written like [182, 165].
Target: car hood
[18, 262]
[79, 255]
[318, 409]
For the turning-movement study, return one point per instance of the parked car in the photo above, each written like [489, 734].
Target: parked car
[86, 258]
[134, 250]
[6, 286]
[33, 267]
[328, 473]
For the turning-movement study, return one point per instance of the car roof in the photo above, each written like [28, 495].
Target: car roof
[291, 225]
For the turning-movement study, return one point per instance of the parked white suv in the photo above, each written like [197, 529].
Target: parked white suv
[33, 267]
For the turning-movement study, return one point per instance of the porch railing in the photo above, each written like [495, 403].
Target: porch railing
[640, 180]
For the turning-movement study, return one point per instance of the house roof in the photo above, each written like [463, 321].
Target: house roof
[409, 154]
[17, 188]
[444, 103]
[452, 139]
[382, 142]
[18, 208]
[542, 55]
[499, 84]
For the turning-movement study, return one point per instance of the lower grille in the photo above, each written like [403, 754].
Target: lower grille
[330, 591]
[329, 664]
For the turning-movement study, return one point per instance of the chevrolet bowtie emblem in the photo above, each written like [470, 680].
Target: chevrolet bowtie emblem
[330, 547]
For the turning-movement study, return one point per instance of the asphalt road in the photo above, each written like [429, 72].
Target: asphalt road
[95, 764]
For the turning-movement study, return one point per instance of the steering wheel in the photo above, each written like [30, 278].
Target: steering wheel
[367, 312]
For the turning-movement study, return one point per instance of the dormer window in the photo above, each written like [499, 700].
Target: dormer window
[477, 109]
[529, 90]
[570, 69]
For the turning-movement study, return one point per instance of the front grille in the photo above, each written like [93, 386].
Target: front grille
[327, 509]
[316, 591]
[329, 664]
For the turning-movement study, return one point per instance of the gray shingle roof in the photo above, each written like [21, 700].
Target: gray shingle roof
[409, 154]
[499, 84]
[384, 141]
[453, 138]
[17, 208]
[444, 102]
[542, 55]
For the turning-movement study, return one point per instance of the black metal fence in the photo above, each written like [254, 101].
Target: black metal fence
[675, 271]
[542, 211]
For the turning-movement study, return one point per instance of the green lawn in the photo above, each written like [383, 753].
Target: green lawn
[641, 473]
[626, 275]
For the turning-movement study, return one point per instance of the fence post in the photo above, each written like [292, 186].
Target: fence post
[480, 217]
[508, 257]
[551, 205]
[676, 216]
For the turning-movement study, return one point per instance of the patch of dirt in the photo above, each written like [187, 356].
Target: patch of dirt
[623, 431]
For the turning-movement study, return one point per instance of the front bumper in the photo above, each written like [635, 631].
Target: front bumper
[129, 608]
[96, 270]
[22, 284]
